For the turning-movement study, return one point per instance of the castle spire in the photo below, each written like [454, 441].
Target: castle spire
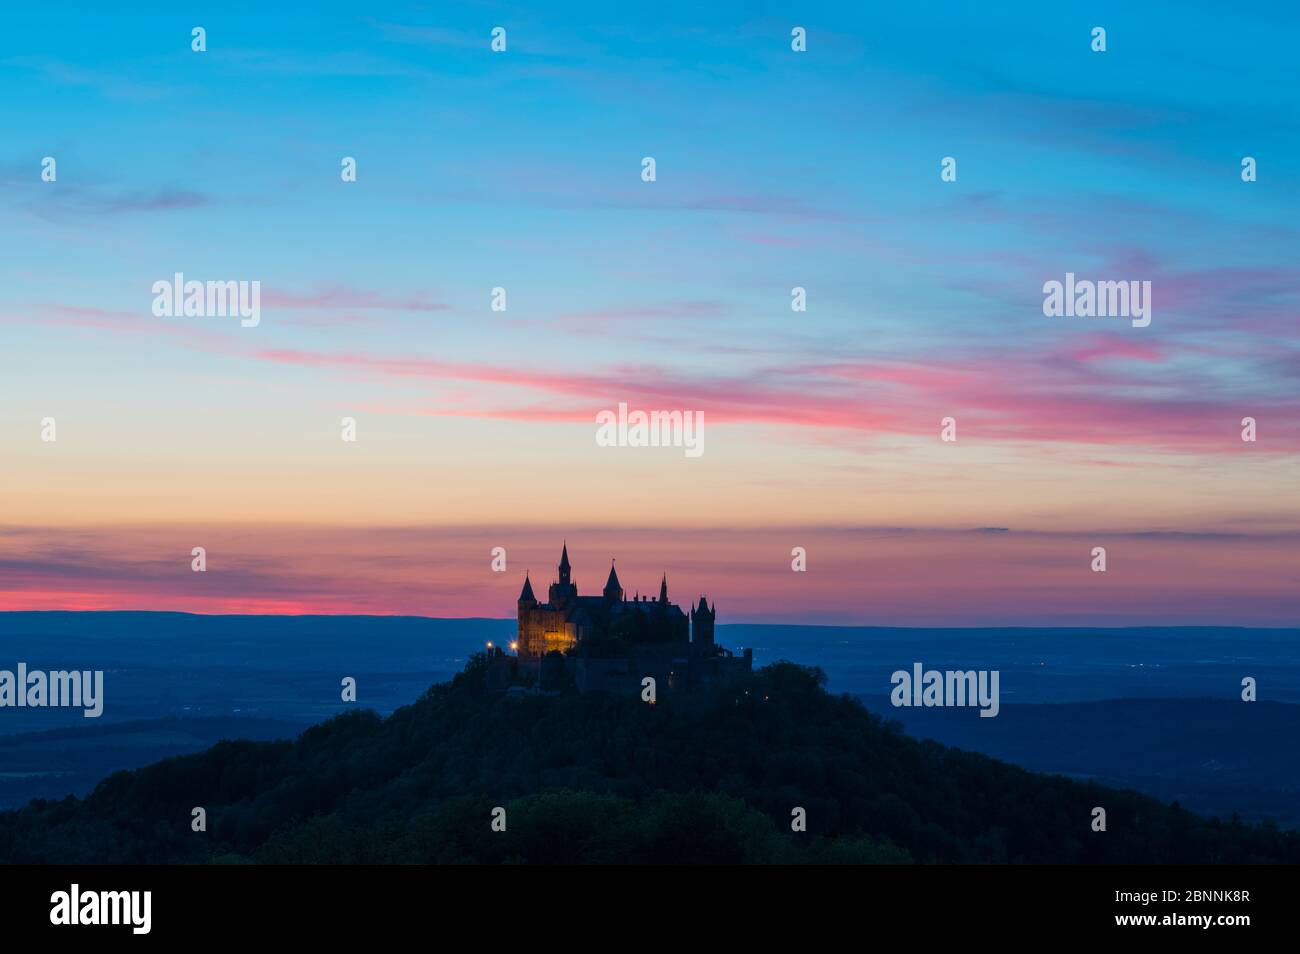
[564, 565]
[663, 591]
[527, 595]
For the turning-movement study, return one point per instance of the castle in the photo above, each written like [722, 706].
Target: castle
[611, 643]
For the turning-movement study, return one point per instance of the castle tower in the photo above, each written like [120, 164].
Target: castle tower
[564, 566]
[663, 593]
[527, 611]
[702, 625]
[563, 590]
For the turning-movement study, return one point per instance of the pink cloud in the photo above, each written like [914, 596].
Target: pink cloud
[1100, 349]
[1001, 398]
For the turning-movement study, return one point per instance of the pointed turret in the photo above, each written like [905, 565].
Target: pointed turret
[663, 591]
[613, 589]
[526, 596]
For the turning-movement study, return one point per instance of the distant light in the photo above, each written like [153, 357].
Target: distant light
[514, 646]
[489, 645]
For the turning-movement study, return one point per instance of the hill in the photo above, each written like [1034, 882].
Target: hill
[57, 762]
[707, 778]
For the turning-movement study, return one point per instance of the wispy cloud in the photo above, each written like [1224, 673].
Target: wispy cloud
[111, 83]
[342, 297]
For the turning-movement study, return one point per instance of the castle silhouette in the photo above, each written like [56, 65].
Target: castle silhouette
[611, 643]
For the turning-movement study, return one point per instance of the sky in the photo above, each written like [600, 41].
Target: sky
[775, 169]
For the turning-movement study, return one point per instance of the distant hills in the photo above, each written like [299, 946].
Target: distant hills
[1214, 756]
[710, 778]
[59, 762]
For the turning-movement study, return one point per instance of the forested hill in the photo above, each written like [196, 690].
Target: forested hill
[710, 778]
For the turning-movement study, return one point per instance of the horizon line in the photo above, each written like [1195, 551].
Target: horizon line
[508, 619]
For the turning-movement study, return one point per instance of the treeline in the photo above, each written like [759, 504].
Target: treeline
[707, 779]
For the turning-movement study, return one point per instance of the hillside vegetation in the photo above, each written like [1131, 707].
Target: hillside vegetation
[709, 778]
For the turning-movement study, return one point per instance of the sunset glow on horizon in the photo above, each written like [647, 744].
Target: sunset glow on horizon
[476, 428]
